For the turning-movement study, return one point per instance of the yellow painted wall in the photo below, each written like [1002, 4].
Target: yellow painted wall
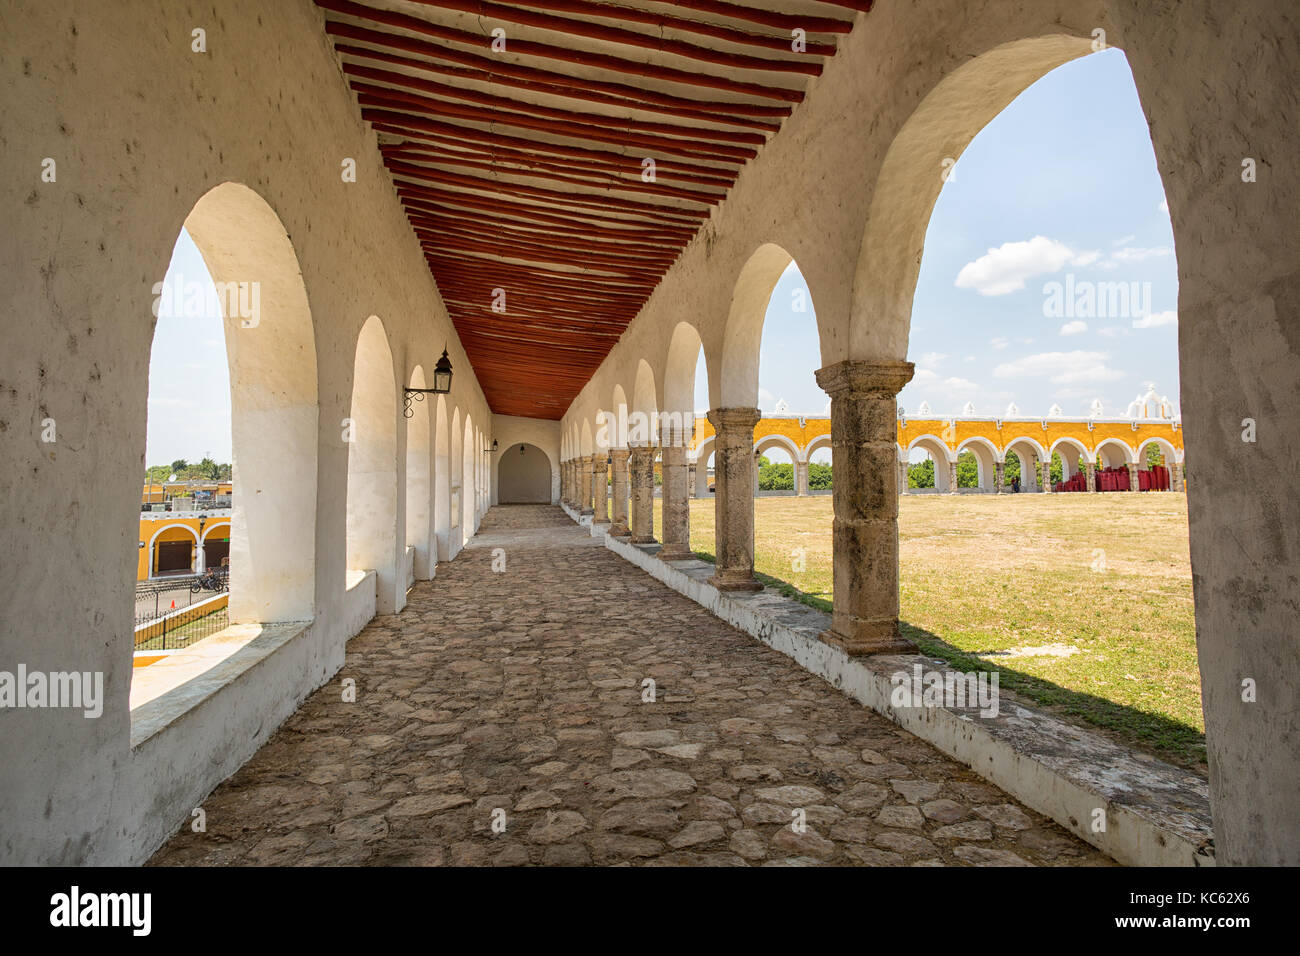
[217, 528]
[955, 432]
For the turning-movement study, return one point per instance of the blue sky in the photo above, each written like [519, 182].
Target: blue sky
[189, 380]
[1062, 182]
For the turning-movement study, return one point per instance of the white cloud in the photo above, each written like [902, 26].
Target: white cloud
[1123, 241]
[1137, 254]
[1005, 269]
[1074, 328]
[969, 358]
[1164, 206]
[1155, 319]
[933, 358]
[1112, 331]
[1063, 368]
[999, 342]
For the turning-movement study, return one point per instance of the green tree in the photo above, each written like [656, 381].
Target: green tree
[775, 477]
[819, 476]
[968, 470]
[1010, 469]
[921, 474]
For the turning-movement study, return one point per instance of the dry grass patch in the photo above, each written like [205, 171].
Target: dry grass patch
[1082, 602]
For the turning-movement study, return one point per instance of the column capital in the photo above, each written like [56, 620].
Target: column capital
[864, 378]
[734, 418]
[620, 454]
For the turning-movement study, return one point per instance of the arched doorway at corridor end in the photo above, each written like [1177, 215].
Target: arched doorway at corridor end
[524, 475]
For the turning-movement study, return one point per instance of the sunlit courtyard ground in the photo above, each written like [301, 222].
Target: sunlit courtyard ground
[1082, 602]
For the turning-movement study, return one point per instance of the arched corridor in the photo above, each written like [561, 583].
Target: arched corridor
[581, 213]
[543, 719]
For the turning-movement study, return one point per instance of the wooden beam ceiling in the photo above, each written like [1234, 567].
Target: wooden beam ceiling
[523, 170]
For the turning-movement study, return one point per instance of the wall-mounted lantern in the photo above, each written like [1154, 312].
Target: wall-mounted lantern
[441, 385]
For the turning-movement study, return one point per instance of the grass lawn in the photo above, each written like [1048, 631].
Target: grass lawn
[1083, 603]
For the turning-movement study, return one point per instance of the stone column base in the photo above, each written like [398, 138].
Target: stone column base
[885, 640]
[619, 529]
[678, 555]
[724, 582]
[644, 539]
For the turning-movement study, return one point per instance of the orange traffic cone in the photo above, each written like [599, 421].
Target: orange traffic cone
[173, 607]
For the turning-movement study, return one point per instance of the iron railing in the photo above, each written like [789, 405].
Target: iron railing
[167, 618]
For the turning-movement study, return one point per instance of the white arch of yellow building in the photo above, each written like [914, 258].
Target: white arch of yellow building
[1083, 444]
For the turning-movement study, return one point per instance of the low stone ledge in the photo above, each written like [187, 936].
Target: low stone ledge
[1155, 814]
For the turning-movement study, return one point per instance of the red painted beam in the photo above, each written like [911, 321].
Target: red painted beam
[586, 58]
[626, 14]
[607, 34]
[768, 18]
[385, 97]
[554, 89]
[497, 68]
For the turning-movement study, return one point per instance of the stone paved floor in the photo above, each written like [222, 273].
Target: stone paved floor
[521, 692]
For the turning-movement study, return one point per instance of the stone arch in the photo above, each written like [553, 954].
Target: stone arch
[961, 104]
[679, 375]
[154, 539]
[441, 480]
[1073, 454]
[778, 441]
[1172, 454]
[819, 442]
[419, 483]
[702, 453]
[643, 422]
[987, 456]
[768, 443]
[214, 527]
[743, 334]
[1032, 454]
[456, 510]
[943, 457]
[1112, 453]
[467, 481]
[372, 536]
[273, 404]
[524, 478]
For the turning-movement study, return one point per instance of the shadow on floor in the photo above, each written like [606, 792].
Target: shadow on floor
[1170, 740]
